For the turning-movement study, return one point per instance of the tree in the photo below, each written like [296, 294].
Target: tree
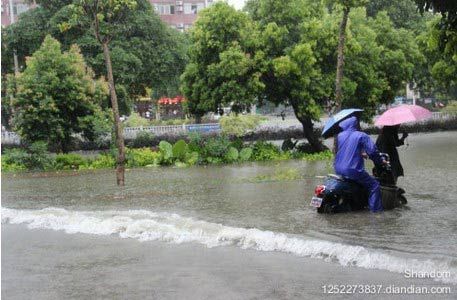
[145, 52]
[224, 66]
[379, 58]
[447, 8]
[346, 6]
[402, 13]
[53, 93]
[105, 18]
[290, 71]
[440, 74]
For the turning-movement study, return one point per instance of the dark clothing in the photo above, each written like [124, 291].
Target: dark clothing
[349, 161]
[388, 142]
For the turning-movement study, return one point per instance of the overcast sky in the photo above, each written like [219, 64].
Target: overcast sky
[237, 3]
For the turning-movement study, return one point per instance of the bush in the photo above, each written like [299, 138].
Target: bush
[15, 156]
[103, 161]
[166, 149]
[245, 154]
[142, 139]
[142, 157]
[192, 158]
[33, 157]
[39, 158]
[451, 108]
[324, 155]
[69, 161]
[180, 150]
[231, 155]
[216, 147]
[135, 120]
[11, 166]
[265, 151]
[196, 142]
[239, 125]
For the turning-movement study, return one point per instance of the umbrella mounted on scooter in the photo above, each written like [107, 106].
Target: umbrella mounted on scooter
[331, 126]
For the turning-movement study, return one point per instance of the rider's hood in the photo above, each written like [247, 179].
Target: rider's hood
[350, 124]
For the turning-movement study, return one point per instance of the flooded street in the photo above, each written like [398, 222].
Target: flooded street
[243, 206]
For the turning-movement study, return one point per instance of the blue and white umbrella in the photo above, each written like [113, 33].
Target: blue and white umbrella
[332, 124]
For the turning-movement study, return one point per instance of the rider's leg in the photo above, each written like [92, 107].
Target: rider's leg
[374, 190]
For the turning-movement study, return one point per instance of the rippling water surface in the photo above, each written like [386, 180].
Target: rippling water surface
[221, 205]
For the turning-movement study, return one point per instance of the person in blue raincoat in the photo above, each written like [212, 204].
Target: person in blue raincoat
[349, 162]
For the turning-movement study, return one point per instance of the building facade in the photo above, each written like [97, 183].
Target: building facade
[179, 14]
[18, 7]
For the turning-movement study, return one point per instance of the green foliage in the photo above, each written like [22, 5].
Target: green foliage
[53, 93]
[142, 157]
[439, 48]
[12, 167]
[180, 149]
[224, 66]
[279, 175]
[324, 155]
[239, 125]
[192, 158]
[69, 161]
[135, 120]
[451, 108]
[145, 51]
[262, 151]
[103, 161]
[142, 139]
[402, 13]
[215, 148]
[166, 149]
[231, 155]
[34, 157]
[245, 154]
[96, 127]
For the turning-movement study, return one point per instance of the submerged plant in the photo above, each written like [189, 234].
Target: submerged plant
[279, 175]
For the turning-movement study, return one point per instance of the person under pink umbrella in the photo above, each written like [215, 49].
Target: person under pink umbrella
[388, 139]
[387, 142]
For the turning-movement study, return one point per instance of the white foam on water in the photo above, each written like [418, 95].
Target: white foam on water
[145, 225]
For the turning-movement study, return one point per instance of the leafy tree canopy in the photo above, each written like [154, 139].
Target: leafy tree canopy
[54, 94]
[146, 53]
[224, 65]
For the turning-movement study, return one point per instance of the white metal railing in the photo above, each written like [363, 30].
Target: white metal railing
[10, 138]
[131, 132]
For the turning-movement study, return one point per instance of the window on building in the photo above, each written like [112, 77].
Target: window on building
[19, 8]
[194, 8]
[187, 8]
[164, 9]
[200, 6]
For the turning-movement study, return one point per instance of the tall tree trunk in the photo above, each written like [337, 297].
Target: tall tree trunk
[309, 134]
[120, 164]
[339, 67]
[340, 60]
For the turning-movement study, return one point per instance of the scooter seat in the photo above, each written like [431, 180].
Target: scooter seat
[337, 177]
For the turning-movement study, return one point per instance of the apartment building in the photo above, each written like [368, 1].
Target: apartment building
[18, 7]
[179, 14]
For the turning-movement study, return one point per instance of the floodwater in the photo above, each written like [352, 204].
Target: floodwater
[238, 206]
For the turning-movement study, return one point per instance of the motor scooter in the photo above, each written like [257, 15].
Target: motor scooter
[339, 194]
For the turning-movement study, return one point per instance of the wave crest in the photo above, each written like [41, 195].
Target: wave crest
[144, 225]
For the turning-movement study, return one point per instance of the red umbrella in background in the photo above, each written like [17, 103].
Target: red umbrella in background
[403, 114]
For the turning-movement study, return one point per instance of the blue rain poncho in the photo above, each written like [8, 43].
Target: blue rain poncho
[349, 161]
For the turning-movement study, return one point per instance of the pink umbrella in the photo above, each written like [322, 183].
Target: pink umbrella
[403, 114]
